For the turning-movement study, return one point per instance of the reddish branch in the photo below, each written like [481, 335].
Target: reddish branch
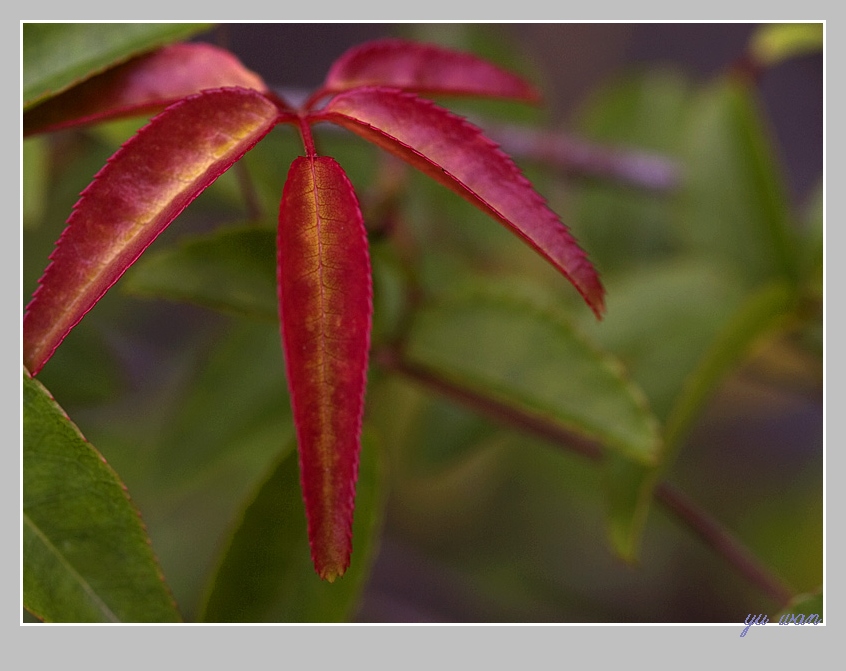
[577, 157]
[709, 530]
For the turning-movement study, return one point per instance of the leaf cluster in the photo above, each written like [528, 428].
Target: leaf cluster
[479, 360]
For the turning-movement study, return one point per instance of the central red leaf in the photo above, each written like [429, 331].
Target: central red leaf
[325, 304]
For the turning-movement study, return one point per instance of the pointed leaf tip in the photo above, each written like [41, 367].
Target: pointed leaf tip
[426, 69]
[142, 188]
[458, 155]
[325, 304]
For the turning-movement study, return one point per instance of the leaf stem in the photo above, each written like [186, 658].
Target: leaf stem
[308, 140]
[708, 529]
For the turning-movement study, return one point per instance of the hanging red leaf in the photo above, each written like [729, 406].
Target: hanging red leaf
[142, 188]
[325, 304]
[425, 69]
[457, 154]
[143, 85]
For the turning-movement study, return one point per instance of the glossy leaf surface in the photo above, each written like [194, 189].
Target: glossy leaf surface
[87, 557]
[145, 84]
[458, 155]
[145, 185]
[325, 303]
[425, 69]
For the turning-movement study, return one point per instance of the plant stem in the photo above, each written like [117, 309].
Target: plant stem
[722, 541]
[308, 140]
[248, 192]
[709, 530]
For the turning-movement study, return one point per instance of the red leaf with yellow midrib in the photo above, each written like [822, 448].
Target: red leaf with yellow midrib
[143, 85]
[142, 188]
[456, 153]
[325, 304]
[425, 69]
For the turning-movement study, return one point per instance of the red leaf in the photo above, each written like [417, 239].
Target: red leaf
[325, 303]
[142, 188]
[425, 69]
[457, 154]
[143, 85]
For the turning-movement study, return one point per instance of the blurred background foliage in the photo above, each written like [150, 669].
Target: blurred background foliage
[700, 200]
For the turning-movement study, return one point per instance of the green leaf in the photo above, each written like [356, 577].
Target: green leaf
[86, 555]
[628, 495]
[806, 604]
[232, 270]
[192, 448]
[707, 326]
[508, 349]
[760, 314]
[266, 573]
[776, 42]
[58, 55]
[734, 207]
[660, 321]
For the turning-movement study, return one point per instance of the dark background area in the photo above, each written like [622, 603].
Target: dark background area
[574, 58]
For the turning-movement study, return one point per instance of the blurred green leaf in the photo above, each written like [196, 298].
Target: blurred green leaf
[628, 495]
[86, 369]
[659, 322]
[390, 294]
[232, 270]
[205, 428]
[58, 55]
[759, 315]
[266, 574]
[678, 329]
[426, 435]
[734, 207]
[624, 227]
[86, 555]
[773, 43]
[508, 349]
[448, 464]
